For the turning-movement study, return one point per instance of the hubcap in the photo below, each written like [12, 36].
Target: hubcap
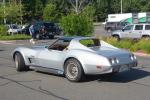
[72, 70]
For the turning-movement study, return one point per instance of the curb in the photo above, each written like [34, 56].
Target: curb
[141, 54]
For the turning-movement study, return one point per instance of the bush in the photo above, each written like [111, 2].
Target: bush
[3, 30]
[141, 45]
[78, 24]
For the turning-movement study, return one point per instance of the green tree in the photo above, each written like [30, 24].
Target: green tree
[50, 13]
[78, 24]
[12, 12]
[38, 10]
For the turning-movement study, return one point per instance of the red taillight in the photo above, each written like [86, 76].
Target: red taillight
[98, 67]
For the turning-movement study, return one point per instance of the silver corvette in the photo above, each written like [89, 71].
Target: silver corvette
[74, 57]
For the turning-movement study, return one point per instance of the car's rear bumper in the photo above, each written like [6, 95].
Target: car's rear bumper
[110, 69]
[128, 66]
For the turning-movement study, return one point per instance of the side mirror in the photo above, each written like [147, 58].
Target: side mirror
[123, 30]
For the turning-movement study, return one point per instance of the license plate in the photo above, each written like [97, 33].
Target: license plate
[123, 68]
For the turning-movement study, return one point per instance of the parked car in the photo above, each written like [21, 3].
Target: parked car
[13, 29]
[133, 31]
[74, 57]
[112, 26]
[46, 30]
[25, 29]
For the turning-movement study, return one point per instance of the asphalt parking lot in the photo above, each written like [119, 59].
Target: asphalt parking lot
[31, 85]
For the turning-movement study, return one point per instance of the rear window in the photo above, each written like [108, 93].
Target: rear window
[139, 27]
[90, 42]
[147, 27]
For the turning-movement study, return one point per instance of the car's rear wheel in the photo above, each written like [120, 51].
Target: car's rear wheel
[73, 70]
[19, 63]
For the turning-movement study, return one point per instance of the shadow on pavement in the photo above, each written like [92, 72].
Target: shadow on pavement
[1, 50]
[123, 77]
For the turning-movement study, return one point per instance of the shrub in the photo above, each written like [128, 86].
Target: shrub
[111, 40]
[78, 24]
[142, 45]
[126, 43]
[3, 30]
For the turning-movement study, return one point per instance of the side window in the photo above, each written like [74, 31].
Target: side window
[147, 27]
[59, 45]
[127, 28]
[139, 27]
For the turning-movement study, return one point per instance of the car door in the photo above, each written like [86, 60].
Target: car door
[54, 55]
[137, 32]
[51, 58]
[126, 32]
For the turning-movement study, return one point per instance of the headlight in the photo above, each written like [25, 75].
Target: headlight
[113, 61]
[133, 57]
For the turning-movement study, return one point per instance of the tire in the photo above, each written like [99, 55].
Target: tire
[73, 70]
[19, 63]
[51, 36]
[146, 37]
[117, 37]
[109, 30]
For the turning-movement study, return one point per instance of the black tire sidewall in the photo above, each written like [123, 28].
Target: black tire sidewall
[21, 63]
[51, 36]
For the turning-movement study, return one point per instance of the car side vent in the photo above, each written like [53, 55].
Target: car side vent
[31, 60]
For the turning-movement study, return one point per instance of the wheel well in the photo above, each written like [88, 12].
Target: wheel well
[109, 28]
[15, 54]
[66, 60]
[145, 36]
[115, 35]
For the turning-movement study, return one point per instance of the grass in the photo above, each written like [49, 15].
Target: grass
[15, 37]
[142, 45]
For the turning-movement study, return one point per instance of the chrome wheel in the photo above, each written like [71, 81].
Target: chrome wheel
[72, 70]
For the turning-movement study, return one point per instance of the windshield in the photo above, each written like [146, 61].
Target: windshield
[90, 42]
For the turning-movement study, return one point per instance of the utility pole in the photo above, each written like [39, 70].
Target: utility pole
[121, 6]
[4, 11]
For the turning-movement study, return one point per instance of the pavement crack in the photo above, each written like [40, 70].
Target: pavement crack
[52, 94]
[4, 84]
[37, 90]
[141, 84]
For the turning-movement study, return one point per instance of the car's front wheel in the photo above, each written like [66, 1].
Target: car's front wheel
[19, 63]
[73, 70]
[117, 37]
